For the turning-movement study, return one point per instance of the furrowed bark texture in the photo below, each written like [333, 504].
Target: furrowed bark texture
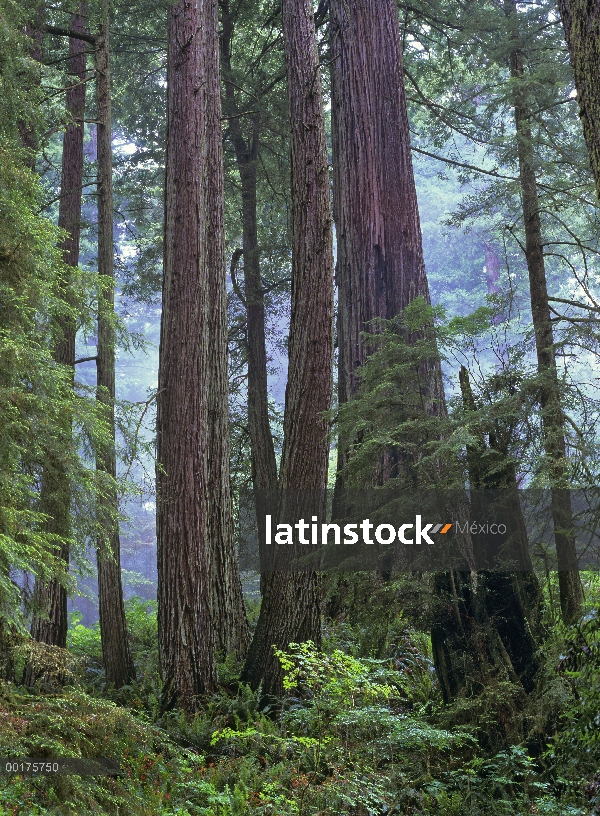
[380, 270]
[116, 653]
[552, 414]
[581, 22]
[199, 594]
[290, 606]
[229, 612]
[49, 624]
[380, 266]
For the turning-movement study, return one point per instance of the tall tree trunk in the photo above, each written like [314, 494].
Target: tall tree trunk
[49, 624]
[264, 464]
[229, 612]
[492, 268]
[581, 21]
[380, 266]
[290, 606]
[380, 270]
[116, 653]
[549, 394]
[197, 612]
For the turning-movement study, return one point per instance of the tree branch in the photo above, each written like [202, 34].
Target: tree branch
[65, 32]
[575, 303]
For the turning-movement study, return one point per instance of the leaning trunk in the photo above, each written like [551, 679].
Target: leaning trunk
[116, 654]
[290, 606]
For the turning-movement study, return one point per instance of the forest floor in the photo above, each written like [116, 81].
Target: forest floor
[356, 734]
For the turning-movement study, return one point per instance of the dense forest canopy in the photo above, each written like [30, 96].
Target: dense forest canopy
[262, 262]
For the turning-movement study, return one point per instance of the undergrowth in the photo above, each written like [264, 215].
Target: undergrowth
[361, 731]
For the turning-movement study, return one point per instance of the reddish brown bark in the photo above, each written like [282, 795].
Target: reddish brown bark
[380, 266]
[380, 270]
[553, 419]
[290, 606]
[581, 21]
[229, 613]
[49, 624]
[197, 612]
[118, 663]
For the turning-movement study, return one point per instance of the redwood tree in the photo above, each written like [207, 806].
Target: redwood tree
[581, 21]
[118, 663]
[380, 266]
[380, 270]
[200, 606]
[290, 606]
[49, 623]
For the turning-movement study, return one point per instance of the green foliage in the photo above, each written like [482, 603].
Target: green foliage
[48, 427]
[394, 408]
[575, 750]
[506, 784]
[85, 643]
[34, 391]
[349, 738]
[344, 738]
[157, 777]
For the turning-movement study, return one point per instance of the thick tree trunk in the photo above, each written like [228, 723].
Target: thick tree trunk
[581, 21]
[116, 653]
[513, 600]
[380, 266]
[200, 606]
[488, 626]
[49, 624]
[549, 395]
[380, 270]
[290, 606]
